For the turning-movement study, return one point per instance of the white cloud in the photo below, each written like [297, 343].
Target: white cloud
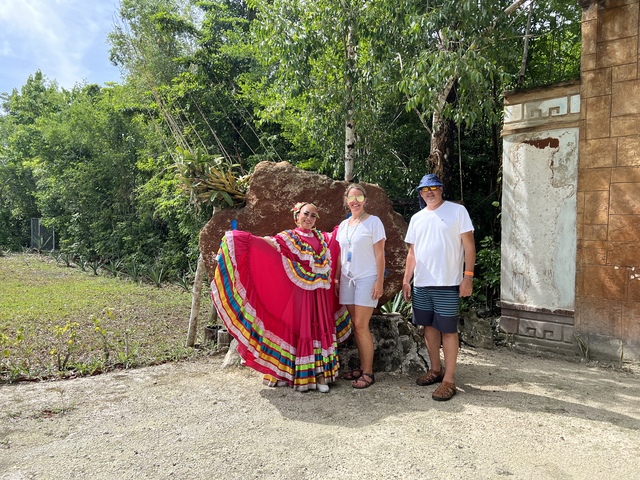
[59, 37]
[6, 50]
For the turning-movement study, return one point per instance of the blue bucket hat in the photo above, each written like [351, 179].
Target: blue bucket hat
[429, 180]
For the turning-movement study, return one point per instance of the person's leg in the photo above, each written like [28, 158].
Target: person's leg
[447, 388]
[432, 340]
[423, 314]
[450, 344]
[360, 316]
[445, 322]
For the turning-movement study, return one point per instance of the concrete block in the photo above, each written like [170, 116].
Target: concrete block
[605, 282]
[596, 83]
[631, 312]
[625, 126]
[625, 175]
[589, 36]
[593, 179]
[621, 73]
[594, 232]
[625, 198]
[629, 151]
[596, 208]
[616, 52]
[598, 315]
[623, 254]
[594, 253]
[624, 228]
[599, 153]
[618, 23]
[598, 114]
[625, 98]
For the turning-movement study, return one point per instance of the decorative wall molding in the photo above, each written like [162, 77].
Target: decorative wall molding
[533, 113]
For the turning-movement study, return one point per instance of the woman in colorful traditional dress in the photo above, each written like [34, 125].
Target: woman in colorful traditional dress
[277, 297]
[362, 238]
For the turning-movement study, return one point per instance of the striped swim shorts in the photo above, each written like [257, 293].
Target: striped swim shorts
[436, 307]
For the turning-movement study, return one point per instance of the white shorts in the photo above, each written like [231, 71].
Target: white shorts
[358, 291]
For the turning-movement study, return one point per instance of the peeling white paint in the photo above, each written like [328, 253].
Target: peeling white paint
[539, 218]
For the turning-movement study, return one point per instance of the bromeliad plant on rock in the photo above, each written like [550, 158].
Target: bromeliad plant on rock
[211, 180]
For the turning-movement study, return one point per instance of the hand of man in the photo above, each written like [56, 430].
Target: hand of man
[406, 291]
[466, 287]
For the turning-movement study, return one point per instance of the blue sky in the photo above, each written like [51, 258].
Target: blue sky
[65, 39]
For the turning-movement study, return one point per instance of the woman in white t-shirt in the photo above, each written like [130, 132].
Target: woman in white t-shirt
[361, 238]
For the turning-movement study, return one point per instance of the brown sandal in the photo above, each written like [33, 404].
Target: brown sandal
[430, 378]
[353, 374]
[444, 392]
[363, 382]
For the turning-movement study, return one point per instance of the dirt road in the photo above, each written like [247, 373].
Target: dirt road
[516, 416]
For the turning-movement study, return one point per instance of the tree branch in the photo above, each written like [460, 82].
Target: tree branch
[525, 53]
[512, 8]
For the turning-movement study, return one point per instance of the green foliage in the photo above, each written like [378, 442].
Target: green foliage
[486, 284]
[94, 265]
[60, 322]
[65, 258]
[211, 181]
[133, 270]
[66, 344]
[113, 267]
[184, 282]
[157, 274]
[555, 43]
[398, 305]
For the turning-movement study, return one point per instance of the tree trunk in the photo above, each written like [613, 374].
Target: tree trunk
[443, 131]
[349, 130]
[442, 144]
[442, 138]
[525, 53]
[349, 146]
[196, 295]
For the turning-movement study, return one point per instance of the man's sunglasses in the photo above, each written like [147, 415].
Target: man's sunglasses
[428, 189]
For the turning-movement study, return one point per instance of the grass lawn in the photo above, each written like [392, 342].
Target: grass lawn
[57, 321]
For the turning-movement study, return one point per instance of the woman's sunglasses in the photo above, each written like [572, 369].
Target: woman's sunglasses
[351, 198]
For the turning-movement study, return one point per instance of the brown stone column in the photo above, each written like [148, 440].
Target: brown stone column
[608, 202]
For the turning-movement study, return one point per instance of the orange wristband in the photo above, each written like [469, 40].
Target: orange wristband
[469, 273]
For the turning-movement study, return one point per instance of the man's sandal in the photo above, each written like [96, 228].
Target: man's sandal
[353, 374]
[444, 392]
[430, 378]
[364, 381]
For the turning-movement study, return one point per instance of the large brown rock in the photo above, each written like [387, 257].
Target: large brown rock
[276, 187]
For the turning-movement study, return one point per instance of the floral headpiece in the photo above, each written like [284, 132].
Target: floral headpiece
[297, 207]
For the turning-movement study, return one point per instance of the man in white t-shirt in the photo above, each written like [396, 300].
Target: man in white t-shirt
[441, 259]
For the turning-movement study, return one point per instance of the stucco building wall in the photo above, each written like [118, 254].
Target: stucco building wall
[538, 257]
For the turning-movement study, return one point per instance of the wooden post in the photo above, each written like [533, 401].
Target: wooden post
[196, 294]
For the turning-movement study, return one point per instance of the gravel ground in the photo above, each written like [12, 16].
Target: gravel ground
[516, 415]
